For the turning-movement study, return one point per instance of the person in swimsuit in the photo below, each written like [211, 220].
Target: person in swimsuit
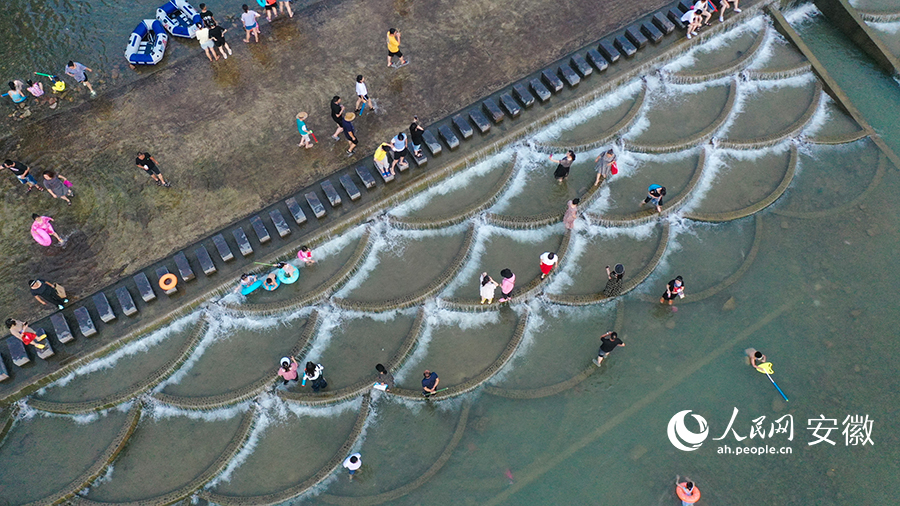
[655, 194]
[604, 163]
[16, 92]
[756, 356]
[271, 281]
[246, 281]
[674, 288]
[286, 268]
[565, 163]
[250, 23]
[614, 281]
[37, 91]
[393, 44]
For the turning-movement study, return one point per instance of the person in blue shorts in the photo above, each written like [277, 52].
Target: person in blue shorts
[655, 194]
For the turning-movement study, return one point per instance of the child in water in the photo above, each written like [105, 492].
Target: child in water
[305, 254]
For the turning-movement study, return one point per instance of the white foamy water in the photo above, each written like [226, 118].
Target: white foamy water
[156, 410]
[748, 90]
[583, 114]
[25, 412]
[667, 95]
[695, 54]
[530, 164]
[802, 14]
[142, 345]
[332, 319]
[819, 119]
[458, 181]
[892, 28]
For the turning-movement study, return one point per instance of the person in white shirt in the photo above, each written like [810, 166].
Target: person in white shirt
[362, 94]
[251, 26]
[548, 260]
[353, 463]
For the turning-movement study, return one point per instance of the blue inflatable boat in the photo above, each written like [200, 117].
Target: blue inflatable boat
[179, 18]
[147, 43]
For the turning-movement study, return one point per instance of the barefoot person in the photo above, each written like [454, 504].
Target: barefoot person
[57, 186]
[315, 374]
[655, 194]
[565, 163]
[430, 382]
[146, 162]
[608, 342]
[393, 44]
[285, 5]
[674, 288]
[271, 9]
[288, 370]
[488, 286]
[76, 70]
[41, 226]
[571, 213]
[251, 25]
[206, 43]
[756, 359]
[305, 255]
[605, 162]
[548, 260]
[217, 33]
[352, 464]
[614, 281]
[384, 380]
[21, 330]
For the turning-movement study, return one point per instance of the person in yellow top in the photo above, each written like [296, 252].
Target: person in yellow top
[381, 159]
[393, 44]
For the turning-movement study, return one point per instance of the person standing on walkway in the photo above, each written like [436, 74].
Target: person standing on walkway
[288, 370]
[488, 286]
[41, 226]
[398, 152]
[565, 163]
[362, 94]
[349, 132]
[146, 162]
[57, 186]
[571, 213]
[305, 132]
[605, 163]
[674, 288]
[337, 113]
[76, 70]
[20, 330]
[251, 25]
[315, 374]
[614, 281]
[206, 43]
[655, 194]
[608, 342]
[393, 44]
[548, 260]
[384, 380]
[217, 33]
[352, 464]
[23, 173]
[48, 293]
[416, 130]
[430, 382]
[506, 285]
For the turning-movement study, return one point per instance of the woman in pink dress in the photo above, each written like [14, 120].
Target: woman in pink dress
[571, 213]
[42, 230]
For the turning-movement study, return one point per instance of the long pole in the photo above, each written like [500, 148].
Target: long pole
[776, 387]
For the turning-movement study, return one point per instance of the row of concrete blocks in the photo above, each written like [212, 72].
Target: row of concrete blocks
[185, 270]
[552, 80]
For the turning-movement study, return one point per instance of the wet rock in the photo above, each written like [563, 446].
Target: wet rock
[785, 225]
[115, 74]
[828, 344]
[830, 473]
[729, 305]
[857, 368]
[637, 452]
[872, 232]
[856, 313]
[670, 324]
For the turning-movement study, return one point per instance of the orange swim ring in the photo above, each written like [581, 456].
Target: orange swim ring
[168, 282]
[685, 496]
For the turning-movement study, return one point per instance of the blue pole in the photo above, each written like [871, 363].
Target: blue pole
[776, 387]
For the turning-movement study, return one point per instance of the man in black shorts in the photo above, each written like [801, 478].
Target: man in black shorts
[608, 342]
[337, 114]
[148, 163]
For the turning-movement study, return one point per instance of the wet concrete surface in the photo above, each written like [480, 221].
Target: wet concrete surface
[224, 132]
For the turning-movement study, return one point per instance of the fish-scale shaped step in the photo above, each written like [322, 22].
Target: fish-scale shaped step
[585, 270]
[674, 171]
[497, 249]
[122, 371]
[459, 347]
[459, 193]
[780, 56]
[600, 120]
[836, 127]
[239, 357]
[145, 469]
[681, 113]
[746, 181]
[408, 263]
[721, 52]
[773, 109]
[401, 445]
[831, 176]
[350, 350]
[44, 456]
[294, 446]
[536, 193]
[558, 349]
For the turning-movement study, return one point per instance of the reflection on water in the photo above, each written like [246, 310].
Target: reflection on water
[804, 281]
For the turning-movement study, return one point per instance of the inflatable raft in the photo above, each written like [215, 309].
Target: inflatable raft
[179, 18]
[287, 280]
[247, 290]
[147, 43]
